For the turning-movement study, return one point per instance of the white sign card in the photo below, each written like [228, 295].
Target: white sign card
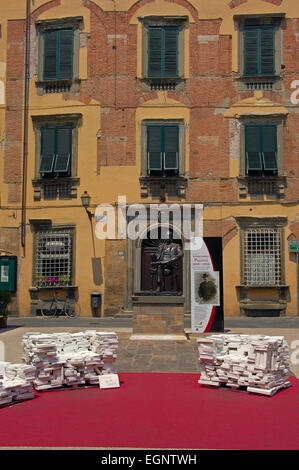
[204, 286]
[4, 273]
[108, 381]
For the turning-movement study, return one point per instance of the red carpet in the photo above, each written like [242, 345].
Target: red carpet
[154, 410]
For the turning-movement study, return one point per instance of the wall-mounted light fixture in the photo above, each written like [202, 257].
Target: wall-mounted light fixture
[85, 198]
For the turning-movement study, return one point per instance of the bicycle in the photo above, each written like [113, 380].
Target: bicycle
[57, 307]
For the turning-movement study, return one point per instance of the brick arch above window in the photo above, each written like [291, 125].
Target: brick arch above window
[237, 3]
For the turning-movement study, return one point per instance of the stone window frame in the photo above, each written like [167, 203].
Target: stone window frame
[274, 223]
[62, 85]
[182, 147]
[273, 82]
[175, 83]
[39, 227]
[273, 120]
[73, 120]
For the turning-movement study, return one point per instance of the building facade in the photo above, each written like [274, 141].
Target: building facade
[149, 102]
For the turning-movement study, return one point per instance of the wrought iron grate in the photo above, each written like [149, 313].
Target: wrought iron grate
[53, 258]
[262, 257]
[53, 190]
[259, 186]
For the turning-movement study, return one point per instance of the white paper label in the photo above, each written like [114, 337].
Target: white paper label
[4, 273]
[109, 381]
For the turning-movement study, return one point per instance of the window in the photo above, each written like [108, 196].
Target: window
[260, 39]
[261, 149]
[259, 50]
[262, 257]
[162, 150]
[163, 52]
[56, 156]
[58, 54]
[56, 151]
[53, 264]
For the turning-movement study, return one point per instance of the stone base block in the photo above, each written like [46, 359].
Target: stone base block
[158, 317]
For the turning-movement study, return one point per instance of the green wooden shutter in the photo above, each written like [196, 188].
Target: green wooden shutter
[47, 150]
[154, 148]
[63, 149]
[65, 54]
[155, 52]
[8, 274]
[252, 148]
[50, 55]
[170, 52]
[171, 151]
[251, 51]
[267, 51]
[269, 147]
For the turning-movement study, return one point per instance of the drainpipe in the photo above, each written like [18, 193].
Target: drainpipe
[25, 128]
[115, 55]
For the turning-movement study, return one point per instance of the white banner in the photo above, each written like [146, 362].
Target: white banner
[204, 287]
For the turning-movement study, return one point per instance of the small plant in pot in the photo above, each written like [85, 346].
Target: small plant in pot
[5, 299]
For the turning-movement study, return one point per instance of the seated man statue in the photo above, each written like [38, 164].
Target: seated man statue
[167, 262]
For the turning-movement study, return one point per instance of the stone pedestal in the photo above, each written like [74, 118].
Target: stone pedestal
[158, 315]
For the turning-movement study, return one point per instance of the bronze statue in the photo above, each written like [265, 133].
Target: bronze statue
[166, 262]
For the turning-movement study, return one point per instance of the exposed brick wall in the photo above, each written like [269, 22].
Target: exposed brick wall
[274, 2]
[291, 147]
[51, 4]
[14, 113]
[236, 3]
[295, 231]
[112, 69]
[290, 46]
[187, 5]
[226, 229]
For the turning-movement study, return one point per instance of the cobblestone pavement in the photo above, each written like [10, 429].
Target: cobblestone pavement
[149, 356]
[157, 356]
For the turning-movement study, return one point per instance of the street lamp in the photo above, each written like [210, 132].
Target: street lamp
[85, 198]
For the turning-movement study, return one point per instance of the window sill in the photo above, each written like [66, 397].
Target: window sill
[163, 84]
[58, 86]
[262, 186]
[159, 186]
[259, 82]
[55, 188]
[259, 286]
[36, 289]
[163, 178]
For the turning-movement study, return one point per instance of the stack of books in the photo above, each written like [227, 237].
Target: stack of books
[71, 359]
[258, 363]
[16, 382]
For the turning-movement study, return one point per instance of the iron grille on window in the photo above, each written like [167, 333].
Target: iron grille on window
[53, 258]
[262, 257]
[54, 189]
